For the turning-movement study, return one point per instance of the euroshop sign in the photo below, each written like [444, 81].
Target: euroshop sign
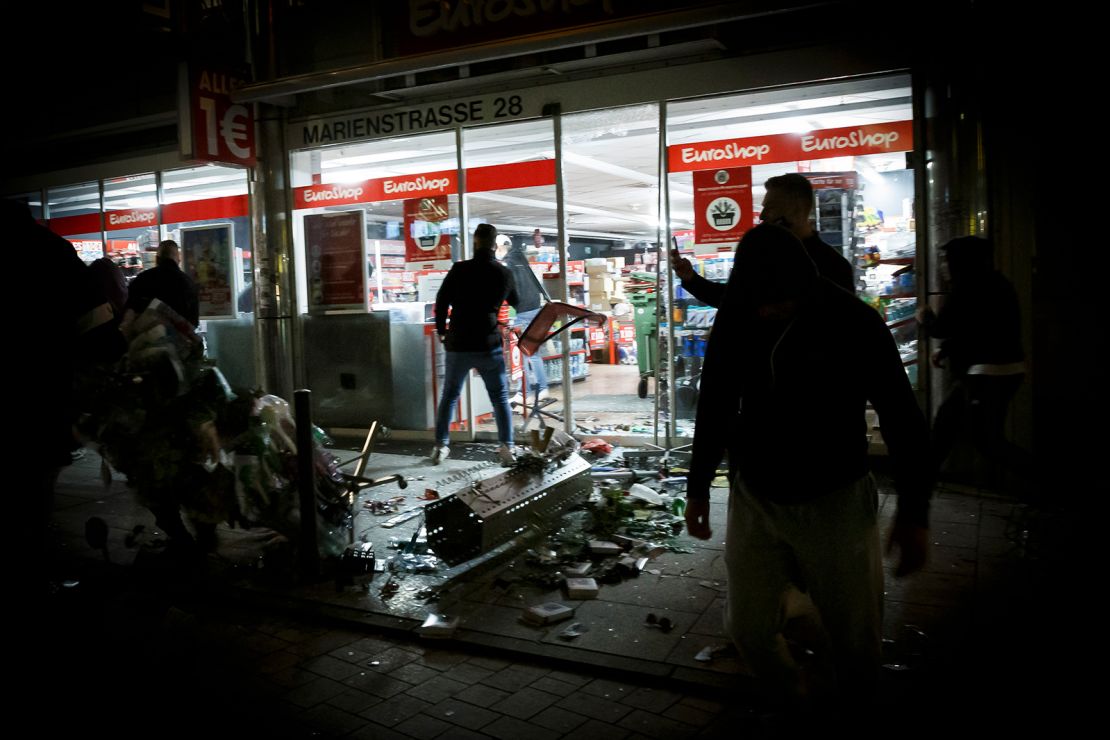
[879, 138]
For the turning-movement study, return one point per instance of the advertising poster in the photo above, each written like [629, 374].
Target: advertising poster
[722, 205]
[425, 240]
[335, 247]
[207, 257]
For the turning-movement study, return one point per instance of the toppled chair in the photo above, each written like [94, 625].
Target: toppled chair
[357, 482]
[539, 331]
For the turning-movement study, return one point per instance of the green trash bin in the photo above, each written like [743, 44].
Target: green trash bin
[647, 327]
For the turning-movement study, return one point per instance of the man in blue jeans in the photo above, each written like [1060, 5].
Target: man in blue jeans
[531, 294]
[474, 290]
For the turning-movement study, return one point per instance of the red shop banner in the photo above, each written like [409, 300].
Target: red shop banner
[425, 239]
[217, 129]
[427, 185]
[336, 254]
[879, 138]
[722, 205]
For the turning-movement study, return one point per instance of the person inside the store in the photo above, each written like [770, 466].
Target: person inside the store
[466, 313]
[166, 282]
[532, 294]
[789, 203]
[802, 514]
[979, 326]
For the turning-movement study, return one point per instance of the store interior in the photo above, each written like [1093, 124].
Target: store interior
[636, 375]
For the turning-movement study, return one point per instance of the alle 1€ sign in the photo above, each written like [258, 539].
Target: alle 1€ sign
[215, 129]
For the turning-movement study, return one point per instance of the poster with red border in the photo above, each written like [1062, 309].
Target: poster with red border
[722, 205]
[208, 257]
[425, 239]
[335, 252]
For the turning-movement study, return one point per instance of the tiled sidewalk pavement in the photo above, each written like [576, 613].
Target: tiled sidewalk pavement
[119, 656]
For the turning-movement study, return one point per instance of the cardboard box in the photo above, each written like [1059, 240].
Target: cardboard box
[602, 269]
[581, 588]
[548, 613]
[616, 262]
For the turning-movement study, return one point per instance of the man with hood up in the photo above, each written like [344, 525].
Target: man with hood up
[795, 359]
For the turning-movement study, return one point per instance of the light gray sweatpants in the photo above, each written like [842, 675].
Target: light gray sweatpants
[828, 549]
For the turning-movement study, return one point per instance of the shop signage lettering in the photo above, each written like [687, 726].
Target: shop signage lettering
[729, 151]
[857, 138]
[220, 130]
[877, 138]
[334, 193]
[115, 220]
[411, 120]
[429, 17]
[420, 183]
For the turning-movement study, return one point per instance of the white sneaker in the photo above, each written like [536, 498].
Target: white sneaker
[505, 456]
[517, 400]
[543, 394]
[439, 454]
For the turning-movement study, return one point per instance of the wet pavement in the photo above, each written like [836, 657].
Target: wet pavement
[974, 641]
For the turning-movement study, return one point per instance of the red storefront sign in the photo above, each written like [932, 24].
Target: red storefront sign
[86, 223]
[219, 130]
[133, 218]
[879, 138]
[722, 205]
[424, 236]
[426, 185]
[231, 206]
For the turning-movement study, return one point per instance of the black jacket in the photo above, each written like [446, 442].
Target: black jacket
[830, 264]
[169, 284]
[979, 323]
[474, 289]
[787, 401]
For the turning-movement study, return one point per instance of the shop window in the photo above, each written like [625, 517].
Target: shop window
[73, 212]
[849, 139]
[131, 222]
[206, 211]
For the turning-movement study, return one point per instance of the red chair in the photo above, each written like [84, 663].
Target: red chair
[539, 330]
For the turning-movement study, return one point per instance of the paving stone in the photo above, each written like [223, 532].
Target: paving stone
[595, 728]
[461, 733]
[951, 534]
[706, 705]
[572, 677]
[480, 695]
[390, 660]
[594, 707]
[314, 692]
[395, 710]
[559, 720]
[510, 728]
[652, 700]
[354, 701]
[292, 677]
[422, 726]
[373, 731]
[357, 657]
[332, 668]
[491, 664]
[689, 715]
[652, 725]
[280, 660]
[436, 689]
[333, 720]
[442, 659]
[461, 713]
[323, 644]
[524, 703]
[607, 689]
[414, 673]
[514, 677]
[467, 673]
[553, 686]
[369, 645]
[377, 684]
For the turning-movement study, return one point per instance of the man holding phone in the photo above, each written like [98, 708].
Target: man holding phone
[787, 203]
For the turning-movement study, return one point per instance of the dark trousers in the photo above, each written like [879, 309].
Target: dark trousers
[981, 403]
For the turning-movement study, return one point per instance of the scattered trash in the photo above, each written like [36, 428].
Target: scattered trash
[664, 624]
[430, 494]
[581, 588]
[578, 570]
[404, 516]
[548, 613]
[438, 626]
[573, 630]
[601, 547]
[389, 589]
[710, 652]
[597, 446]
[643, 493]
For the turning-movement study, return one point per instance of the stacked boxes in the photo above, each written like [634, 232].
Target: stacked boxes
[603, 281]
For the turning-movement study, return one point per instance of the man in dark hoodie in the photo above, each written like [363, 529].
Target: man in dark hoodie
[788, 203]
[979, 326]
[797, 358]
[474, 290]
[166, 282]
